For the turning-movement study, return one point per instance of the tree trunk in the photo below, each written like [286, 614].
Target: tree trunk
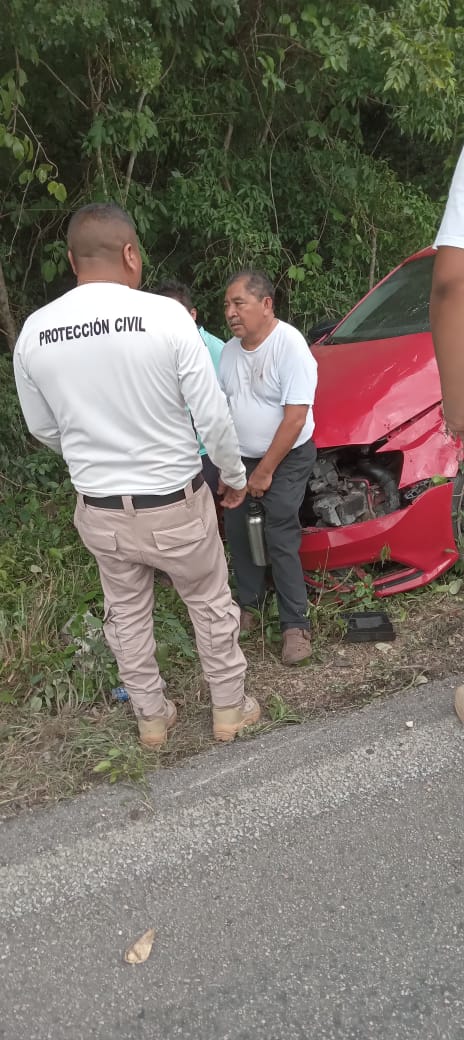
[7, 325]
[373, 257]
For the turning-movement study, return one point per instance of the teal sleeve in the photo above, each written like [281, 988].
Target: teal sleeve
[214, 345]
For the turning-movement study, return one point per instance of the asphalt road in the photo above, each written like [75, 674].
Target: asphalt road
[309, 884]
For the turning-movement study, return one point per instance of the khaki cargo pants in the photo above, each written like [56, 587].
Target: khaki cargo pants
[183, 540]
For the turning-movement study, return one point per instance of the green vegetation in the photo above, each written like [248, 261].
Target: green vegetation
[310, 138]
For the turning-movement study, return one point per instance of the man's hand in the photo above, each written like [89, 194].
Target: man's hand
[259, 481]
[231, 497]
[454, 430]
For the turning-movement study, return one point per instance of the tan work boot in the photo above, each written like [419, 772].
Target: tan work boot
[248, 621]
[227, 722]
[459, 702]
[296, 647]
[154, 732]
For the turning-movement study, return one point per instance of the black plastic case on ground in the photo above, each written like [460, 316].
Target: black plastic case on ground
[370, 626]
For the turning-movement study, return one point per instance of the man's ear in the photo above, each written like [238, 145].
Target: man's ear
[193, 312]
[130, 256]
[72, 262]
[132, 262]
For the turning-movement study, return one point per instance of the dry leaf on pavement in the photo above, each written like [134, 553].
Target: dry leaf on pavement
[140, 950]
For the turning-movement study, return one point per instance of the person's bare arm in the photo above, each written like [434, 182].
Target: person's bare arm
[447, 322]
[284, 438]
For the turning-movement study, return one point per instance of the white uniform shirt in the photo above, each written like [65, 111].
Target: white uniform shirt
[259, 383]
[451, 231]
[104, 374]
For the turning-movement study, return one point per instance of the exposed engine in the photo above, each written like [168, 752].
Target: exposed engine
[347, 487]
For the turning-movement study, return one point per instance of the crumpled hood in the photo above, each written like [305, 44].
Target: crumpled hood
[365, 390]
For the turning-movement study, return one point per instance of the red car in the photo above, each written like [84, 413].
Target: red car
[387, 487]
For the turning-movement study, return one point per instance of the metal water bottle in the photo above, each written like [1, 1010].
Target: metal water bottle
[255, 528]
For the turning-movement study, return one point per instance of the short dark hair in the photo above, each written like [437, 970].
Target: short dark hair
[256, 282]
[100, 211]
[176, 291]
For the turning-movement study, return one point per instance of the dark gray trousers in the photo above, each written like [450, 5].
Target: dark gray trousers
[282, 530]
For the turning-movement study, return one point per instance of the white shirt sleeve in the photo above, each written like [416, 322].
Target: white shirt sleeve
[208, 406]
[40, 420]
[451, 232]
[298, 374]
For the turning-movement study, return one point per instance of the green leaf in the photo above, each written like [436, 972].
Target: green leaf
[42, 172]
[103, 766]
[18, 149]
[455, 586]
[36, 678]
[25, 177]
[7, 698]
[94, 622]
[58, 190]
[48, 270]
[309, 15]
[61, 193]
[35, 704]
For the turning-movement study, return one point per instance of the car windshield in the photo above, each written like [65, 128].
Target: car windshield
[398, 307]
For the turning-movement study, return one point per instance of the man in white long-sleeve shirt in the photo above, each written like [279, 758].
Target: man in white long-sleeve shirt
[103, 375]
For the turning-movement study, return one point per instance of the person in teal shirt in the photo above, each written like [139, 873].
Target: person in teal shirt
[180, 292]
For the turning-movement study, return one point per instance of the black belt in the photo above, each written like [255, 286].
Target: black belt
[143, 501]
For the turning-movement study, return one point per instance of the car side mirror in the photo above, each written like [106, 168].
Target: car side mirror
[322, 328]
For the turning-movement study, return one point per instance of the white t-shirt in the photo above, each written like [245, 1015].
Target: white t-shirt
[104, 374]
[258, 383]
[451, 231]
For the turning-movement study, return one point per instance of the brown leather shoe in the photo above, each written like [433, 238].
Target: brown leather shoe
[248, 621]
[227, 722]
[459, 702]
[296, 647]
[154, 732]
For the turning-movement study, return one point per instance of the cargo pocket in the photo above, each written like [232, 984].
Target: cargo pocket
[179, 540]
[224, 627]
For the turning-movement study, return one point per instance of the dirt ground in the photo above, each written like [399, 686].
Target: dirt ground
[429, 644]
[44, 758]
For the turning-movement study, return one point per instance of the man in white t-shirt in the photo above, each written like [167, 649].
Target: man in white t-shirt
[105, 375]
[269, 377]
[447, 320]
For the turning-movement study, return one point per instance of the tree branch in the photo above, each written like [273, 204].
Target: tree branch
[96, 106]
[228, 137]
[373, 257]
[133, 154]
[6, 317]
[63, 84]
[227, 140]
